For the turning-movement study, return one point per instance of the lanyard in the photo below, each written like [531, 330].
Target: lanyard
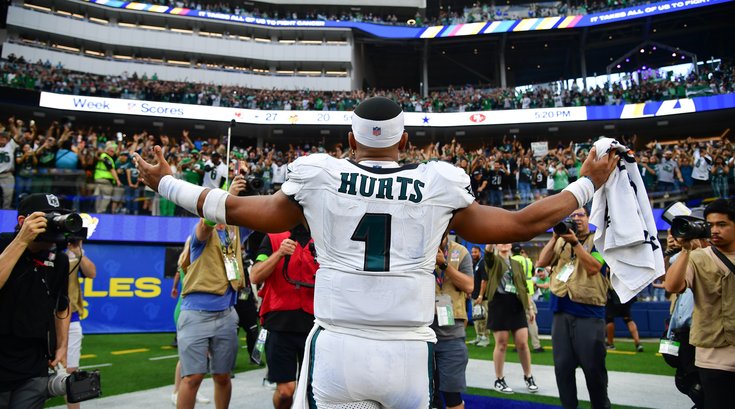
[227, 247]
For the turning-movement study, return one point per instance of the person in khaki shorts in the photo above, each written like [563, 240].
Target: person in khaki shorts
[710, 273]
[207, 325]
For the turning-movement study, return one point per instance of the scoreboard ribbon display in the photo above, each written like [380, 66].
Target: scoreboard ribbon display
[480, 28]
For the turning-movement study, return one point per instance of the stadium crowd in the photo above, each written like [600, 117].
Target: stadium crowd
[69, 158]
[44, 76]
[474, 12]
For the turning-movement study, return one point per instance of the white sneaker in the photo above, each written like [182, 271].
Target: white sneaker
[201, 399]
[502, 387]
[484, 342]
[174, 398]
[530, 384]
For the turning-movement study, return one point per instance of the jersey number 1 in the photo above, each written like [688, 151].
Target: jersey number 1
[374, 230]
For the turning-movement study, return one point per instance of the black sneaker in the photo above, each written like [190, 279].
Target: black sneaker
[610, 346]
[530, 384]
[639, 348]
[502, 387]
[539, 349]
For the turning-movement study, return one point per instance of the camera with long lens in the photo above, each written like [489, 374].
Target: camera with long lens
[690, 227]
[686, 223]
[63, 228]
[77, 386]
[253, 186]
[565, 226]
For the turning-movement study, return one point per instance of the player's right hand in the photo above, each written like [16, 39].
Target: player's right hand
[150, 174]
[33, 225]
[287, 248]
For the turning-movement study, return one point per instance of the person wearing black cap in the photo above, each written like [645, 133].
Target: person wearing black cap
[215, 172]
[376, 227]
[34, 323]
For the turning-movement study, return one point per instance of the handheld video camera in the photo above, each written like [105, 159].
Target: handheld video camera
[565, 226]
[77, 386]
[63, 228]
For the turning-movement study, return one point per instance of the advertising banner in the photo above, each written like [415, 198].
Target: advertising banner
[413, 119]
[129, 293]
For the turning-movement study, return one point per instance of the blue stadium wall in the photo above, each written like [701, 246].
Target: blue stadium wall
[131, 292]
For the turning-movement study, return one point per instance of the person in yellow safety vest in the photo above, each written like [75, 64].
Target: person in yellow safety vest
[519, 255]
[105, 177]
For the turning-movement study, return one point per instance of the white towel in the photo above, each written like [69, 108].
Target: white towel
[626, 233]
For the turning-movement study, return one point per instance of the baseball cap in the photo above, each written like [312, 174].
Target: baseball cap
[40, 202]
[216, 154]
[516, 248]
[195, 151]
[476, 173]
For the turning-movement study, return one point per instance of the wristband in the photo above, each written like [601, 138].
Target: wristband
[574, 244]
[209, 223]
[180, 192]
[443, 266]
[583, 189]
[214, 206]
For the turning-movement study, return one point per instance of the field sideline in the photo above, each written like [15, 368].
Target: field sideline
[135, 362]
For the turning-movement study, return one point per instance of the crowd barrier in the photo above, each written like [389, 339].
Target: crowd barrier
[136, 260]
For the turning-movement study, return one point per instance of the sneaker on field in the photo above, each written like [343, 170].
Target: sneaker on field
[639, 348]
[609, 346]
[530, 384]
[539, 349]
[474, 341]
[485, 341]
[201, 399]
[502, 387]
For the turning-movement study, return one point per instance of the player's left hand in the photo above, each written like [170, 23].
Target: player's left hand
[599, 170]
[150, 174]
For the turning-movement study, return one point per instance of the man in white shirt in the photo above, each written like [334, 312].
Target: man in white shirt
[8, 145]
[279, 170]
[701, 168]
[376, 227]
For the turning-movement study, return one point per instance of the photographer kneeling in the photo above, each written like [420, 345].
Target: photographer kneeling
[710, 273]
[34, 323]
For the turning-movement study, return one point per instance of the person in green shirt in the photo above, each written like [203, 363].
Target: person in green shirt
[192, 168]
[541, 282]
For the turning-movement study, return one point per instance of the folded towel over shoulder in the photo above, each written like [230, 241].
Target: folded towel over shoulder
[626, 234]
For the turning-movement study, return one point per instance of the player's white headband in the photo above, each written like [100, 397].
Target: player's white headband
[377, 134]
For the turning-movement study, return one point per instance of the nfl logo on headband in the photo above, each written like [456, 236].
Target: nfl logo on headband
[376, 131]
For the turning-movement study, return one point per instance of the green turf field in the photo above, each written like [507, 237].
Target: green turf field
[548, 400]
[134, 362]
[622, 359]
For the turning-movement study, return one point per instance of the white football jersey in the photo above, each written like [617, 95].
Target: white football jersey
[213, 178]
[7, 156]
[376, 233]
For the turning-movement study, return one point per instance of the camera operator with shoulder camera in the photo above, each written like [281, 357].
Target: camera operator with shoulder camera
[710, 274]
[34, 324]
[578, 295]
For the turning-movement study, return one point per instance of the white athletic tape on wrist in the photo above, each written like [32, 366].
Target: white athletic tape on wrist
[214, 206]
[180, 192]
[583, 189]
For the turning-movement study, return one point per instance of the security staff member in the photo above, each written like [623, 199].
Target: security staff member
[454, 280]
[34, 323]
[286, 266]
[578, 295]
[710, 274]
[105, 177]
